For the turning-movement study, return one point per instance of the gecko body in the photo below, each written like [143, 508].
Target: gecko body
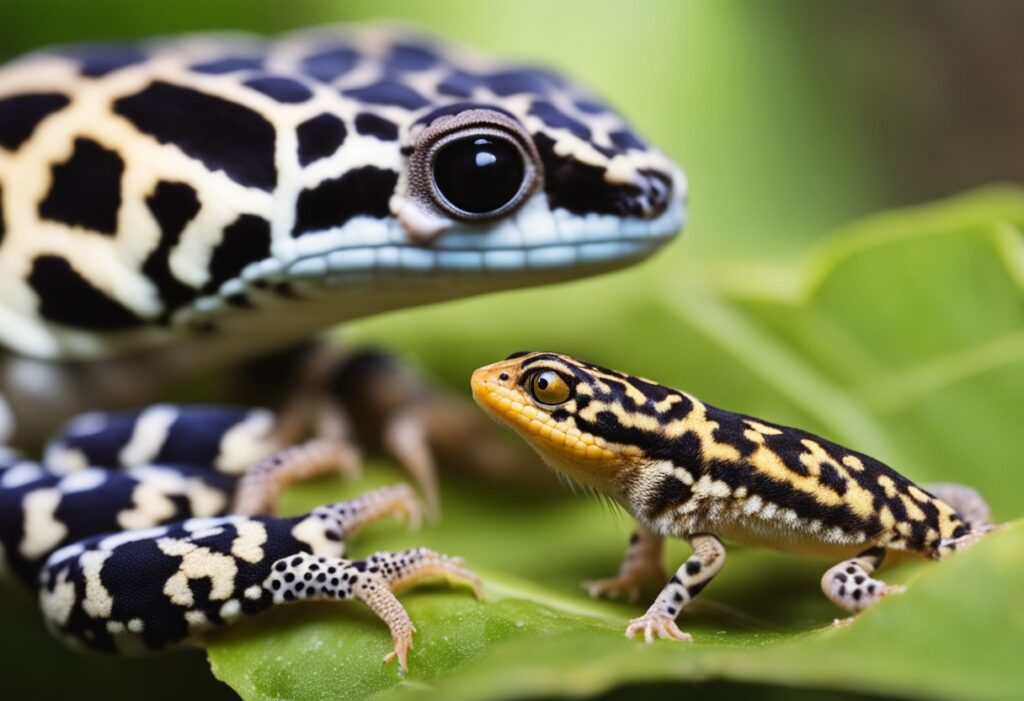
[685, 469]
[149, 529]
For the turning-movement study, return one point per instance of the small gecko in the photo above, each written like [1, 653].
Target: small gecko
[686, 469]
[173, 538]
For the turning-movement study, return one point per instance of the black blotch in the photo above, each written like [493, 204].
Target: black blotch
[368, 124]
[458, 84]
[411, 57]
[98, 60]
[668, 494]
[521, 80]
[840, 577]
[86, 189]
[677, 597]
[21, 114]
[228, 64]
[331, 64]
[556, 119]
[625, 140]
[581, 188]
[871, 589]
[320, 137]
[361, 191]
[829, 477]
[851, 570]
[842, 591]
[389, 92]
[280, 567]
[280, 88]
[857, 593]
[173, 205]
[222, 134]
[289, 577]
[245, 241]
[692, 567]
[238, 301]
[859, 579]
[590, 106]
[67, 298]
[958, 532]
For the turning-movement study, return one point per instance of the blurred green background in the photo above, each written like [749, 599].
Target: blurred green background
[902, 334]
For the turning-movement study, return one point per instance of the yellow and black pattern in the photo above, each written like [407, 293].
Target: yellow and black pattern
[686, 469]
[684, 465]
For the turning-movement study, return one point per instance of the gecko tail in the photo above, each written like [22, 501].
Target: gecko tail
[967, 502]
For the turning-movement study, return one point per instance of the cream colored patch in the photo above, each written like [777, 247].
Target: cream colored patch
[21, 474]
[196, 619]
[246, 443]
[148, 437]
[151, 507]
[311, 532]
[98, 601]
[204, 499]
[56, 605]
[197, 563]
[254, 592]
[231, 610]
[247, 544]
[42, 529]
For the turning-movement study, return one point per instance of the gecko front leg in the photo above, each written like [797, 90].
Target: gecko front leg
[641, 564]
[849, 584]
[374, 581]
[260, 489]
[688, 581]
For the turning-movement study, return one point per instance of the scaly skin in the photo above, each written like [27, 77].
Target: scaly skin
[114, 550]
[175, 204]
[686, 469]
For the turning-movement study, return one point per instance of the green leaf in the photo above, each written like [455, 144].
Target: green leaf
[902, 336]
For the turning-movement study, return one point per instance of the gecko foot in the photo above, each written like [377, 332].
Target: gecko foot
[656, 625]
[628, 583]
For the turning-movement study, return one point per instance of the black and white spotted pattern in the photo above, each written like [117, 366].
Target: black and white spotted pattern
[209, 183]
[134, 470]
[142, 555]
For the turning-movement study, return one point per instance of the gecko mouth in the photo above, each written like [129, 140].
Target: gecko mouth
[374, 253]
[574, 244]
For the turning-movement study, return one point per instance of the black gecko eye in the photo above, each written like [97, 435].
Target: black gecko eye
[472, 163]
[548, 387]
[479, 174]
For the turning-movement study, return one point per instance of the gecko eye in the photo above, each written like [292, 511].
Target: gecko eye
[548, 387]
[480, 174]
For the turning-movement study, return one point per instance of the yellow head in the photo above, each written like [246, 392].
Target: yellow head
[585, 421]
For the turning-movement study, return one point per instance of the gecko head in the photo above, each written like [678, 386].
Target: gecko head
[466, 175]
[596, 426]
[248, 186]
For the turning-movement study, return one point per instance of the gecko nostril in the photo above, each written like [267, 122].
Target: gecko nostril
[503, 376]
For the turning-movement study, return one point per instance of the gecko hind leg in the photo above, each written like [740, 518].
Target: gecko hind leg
[641, 564]
[688, 581]
[850, 586]
[260, 489]
[374, 581]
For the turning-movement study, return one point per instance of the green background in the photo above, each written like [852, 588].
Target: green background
[901, 334]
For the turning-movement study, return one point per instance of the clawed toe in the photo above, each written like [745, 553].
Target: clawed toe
[654, 626]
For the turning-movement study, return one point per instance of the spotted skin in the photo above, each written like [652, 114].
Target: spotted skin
[686, 469]
[168, 191]
[150, 552]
